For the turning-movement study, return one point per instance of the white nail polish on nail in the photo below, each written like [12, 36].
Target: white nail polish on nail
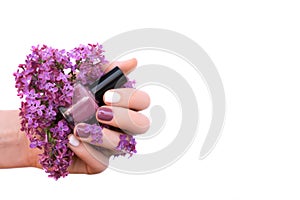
[112, 97]
[73, 141]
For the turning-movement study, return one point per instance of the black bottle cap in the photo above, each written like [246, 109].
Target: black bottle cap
[115, 78]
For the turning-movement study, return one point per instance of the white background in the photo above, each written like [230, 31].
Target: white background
[255, 46]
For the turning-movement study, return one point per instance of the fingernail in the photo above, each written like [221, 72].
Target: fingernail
[82, 131]
[105, 114]
[73, 141]
[112, 97]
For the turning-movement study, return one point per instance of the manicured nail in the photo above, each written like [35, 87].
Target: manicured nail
[73, 141]
[82, 130]
[105, 114]
[112, 97]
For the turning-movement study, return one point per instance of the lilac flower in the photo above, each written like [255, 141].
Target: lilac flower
[38, 108]
[62, 127]
[61, 77]
[44, 76]
[49, 112]
[36, 144]
[126, 145]
[50, 88]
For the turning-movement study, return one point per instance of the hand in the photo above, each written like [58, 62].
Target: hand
[120, 111]
[14, 145]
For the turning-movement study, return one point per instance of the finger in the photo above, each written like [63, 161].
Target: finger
[125, 119]
[95, 160]
[127, 98]
[126, 66]
[97, 136]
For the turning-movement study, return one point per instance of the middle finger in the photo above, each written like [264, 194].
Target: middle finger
[125, 119]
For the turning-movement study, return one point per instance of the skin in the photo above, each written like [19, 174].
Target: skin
[14, 146]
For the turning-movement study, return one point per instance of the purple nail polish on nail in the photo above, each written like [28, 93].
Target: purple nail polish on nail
[82, 131]
[105, 114]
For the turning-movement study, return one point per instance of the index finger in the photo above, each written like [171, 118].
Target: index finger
[126, 66]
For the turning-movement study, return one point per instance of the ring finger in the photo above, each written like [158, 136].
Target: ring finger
[105, 138]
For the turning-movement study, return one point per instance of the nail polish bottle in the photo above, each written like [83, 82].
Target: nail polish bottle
[86, 99]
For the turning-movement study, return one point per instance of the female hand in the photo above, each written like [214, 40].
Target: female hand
[121, 112]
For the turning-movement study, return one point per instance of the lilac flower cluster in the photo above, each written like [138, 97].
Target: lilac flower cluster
[92, 67]
[126, 145]
[44, 83]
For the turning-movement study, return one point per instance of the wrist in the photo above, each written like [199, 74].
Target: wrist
[14, 145]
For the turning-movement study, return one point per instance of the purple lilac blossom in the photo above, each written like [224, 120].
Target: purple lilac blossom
[126, 145]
